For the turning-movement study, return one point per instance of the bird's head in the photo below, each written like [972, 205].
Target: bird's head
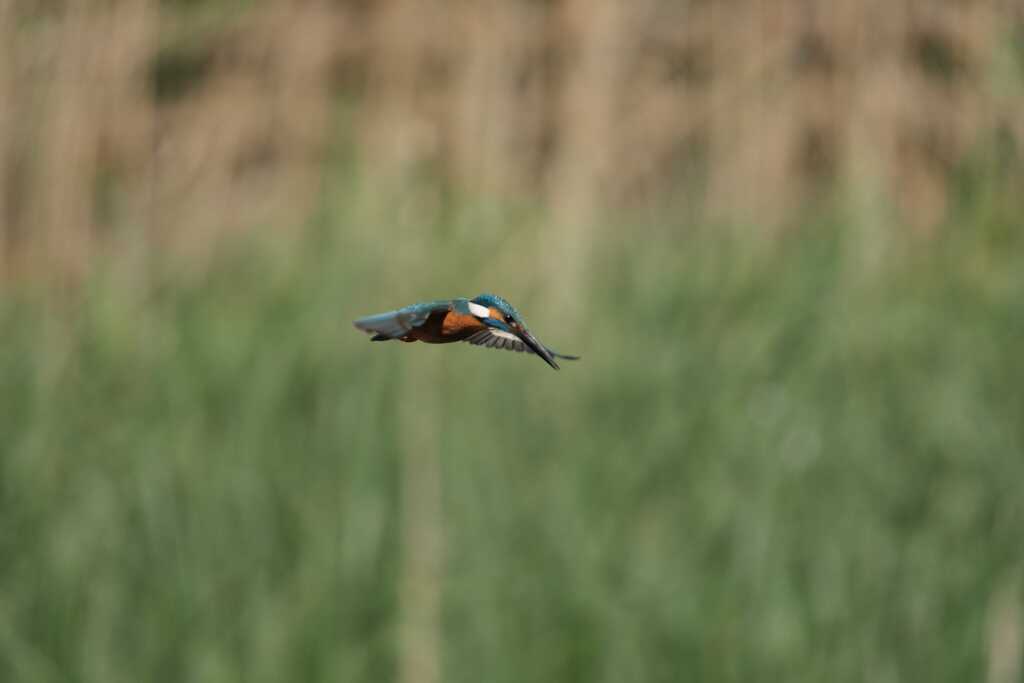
[500, 315]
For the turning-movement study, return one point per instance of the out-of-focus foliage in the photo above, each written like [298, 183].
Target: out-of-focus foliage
[799, 463]
[177, 122]
[785, 237]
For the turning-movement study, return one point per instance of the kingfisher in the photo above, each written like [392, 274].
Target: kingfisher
[486, 320]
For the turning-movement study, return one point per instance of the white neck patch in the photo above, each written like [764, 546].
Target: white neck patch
[479, 311]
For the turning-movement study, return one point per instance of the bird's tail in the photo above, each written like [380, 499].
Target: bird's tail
[563, 356]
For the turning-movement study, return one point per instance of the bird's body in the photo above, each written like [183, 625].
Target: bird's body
[486, 320]
[444, 327]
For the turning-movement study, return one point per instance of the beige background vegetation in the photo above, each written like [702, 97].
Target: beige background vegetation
[167, 124]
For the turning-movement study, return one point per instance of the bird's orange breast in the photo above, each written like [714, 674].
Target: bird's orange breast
[445, 327]
[457, 324]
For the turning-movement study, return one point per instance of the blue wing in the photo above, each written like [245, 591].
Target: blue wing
[499, 339]
[397, 324]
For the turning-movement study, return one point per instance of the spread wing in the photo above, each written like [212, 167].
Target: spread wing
[499, 339]
[397, 324]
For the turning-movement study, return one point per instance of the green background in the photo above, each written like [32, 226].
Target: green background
[799, 462]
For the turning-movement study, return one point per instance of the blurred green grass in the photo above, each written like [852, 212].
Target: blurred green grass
[792, 462]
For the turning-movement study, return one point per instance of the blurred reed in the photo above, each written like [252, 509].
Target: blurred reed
[169, 124]
[422, 566]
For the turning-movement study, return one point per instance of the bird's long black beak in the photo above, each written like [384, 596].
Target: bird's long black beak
[537, 347]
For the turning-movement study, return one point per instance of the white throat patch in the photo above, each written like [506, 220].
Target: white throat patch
[479, 311]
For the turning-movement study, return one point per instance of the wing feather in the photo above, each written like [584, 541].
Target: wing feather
[397, 324]
[499, 339]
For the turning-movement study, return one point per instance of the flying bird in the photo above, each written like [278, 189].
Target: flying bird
[487, 320]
